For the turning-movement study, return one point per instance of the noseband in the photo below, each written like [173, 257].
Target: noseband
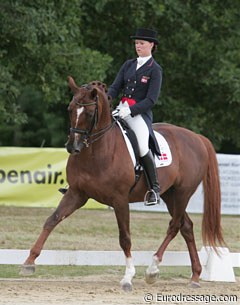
[88, 136]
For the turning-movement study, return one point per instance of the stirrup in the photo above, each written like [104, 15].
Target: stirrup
[147, 196]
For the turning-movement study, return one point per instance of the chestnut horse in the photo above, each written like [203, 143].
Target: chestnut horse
[100, 167]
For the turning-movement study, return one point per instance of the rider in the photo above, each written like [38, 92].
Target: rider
[139, 81]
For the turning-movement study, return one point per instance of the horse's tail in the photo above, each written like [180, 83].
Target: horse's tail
[211, 223]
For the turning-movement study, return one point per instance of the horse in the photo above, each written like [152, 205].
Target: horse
[100, 167]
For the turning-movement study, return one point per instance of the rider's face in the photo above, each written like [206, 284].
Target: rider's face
[143, 47]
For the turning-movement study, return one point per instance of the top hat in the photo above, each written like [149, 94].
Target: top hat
[146, 34]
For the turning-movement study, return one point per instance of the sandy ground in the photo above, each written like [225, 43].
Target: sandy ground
[97, 290]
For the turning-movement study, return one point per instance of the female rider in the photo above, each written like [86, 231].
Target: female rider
[139, 82]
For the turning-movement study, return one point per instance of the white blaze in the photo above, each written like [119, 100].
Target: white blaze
[79, 111]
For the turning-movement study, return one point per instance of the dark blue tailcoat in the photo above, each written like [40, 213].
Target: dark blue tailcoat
[142, 85]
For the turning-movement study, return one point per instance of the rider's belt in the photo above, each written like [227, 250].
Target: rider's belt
[130, 101]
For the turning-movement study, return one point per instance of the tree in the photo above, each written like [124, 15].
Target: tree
[204, 59]
[199, 51]
[41, 44]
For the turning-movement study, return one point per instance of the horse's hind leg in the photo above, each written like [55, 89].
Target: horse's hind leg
[69, 203]
[176, 210]
[187, 232]
[152, 271]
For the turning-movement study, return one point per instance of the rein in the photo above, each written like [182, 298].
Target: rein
[90, 137]
[87, 139]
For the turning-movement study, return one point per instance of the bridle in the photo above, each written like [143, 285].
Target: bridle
[88, 136]
[94, 120]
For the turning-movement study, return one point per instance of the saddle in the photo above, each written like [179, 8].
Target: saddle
[132, 138]
[162, 159]
[130, 135]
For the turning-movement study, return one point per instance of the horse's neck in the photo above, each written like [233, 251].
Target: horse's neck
[105, 116]
[106, 144]
[102, 150]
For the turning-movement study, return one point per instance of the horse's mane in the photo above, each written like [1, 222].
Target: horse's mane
[102, 87]
[99, 85]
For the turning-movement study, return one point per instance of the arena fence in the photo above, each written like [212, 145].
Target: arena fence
[217, 268]
[105, 258]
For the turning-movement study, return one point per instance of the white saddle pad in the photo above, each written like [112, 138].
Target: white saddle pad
[166, 157]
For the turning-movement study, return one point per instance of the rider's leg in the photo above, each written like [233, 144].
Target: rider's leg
[140, 128]
[150, 170]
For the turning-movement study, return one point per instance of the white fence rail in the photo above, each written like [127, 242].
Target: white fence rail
[104, 258]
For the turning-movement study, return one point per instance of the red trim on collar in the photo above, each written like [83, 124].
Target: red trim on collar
[151, 63]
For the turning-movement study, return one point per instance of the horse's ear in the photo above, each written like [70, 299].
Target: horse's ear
[72, 84]
[94, 93]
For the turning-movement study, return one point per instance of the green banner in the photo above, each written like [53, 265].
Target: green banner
[32, 176]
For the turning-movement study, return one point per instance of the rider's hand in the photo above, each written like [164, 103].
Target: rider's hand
[124, 111]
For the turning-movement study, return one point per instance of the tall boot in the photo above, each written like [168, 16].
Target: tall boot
[153, 195]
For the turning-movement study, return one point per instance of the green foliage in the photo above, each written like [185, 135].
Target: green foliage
[199, 51]
[203, 59]
[41, 45]
[43, 42]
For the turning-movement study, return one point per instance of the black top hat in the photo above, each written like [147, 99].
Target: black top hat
[146, 34]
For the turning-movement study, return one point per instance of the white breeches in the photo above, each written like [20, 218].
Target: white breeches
[140, 128]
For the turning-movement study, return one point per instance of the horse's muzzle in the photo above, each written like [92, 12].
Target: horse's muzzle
[77, 147]
[74, 146]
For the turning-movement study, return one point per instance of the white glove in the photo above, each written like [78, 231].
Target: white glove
[124, 111]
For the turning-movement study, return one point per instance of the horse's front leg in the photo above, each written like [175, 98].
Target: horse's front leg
[69, 203]
[122, 215]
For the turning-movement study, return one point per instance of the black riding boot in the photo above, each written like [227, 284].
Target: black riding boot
[153, 196]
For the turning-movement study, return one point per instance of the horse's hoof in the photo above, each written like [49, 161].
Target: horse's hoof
[127, 287]
[194, 284]
[27, 270]
[151, 278]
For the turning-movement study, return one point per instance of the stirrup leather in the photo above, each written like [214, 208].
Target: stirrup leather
[147, 196]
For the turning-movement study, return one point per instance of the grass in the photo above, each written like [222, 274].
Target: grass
[48, 272]
[97, 230]
[12, 271]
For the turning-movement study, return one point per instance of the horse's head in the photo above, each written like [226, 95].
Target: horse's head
[89, 112]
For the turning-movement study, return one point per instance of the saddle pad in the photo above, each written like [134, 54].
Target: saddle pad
[166, 157]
